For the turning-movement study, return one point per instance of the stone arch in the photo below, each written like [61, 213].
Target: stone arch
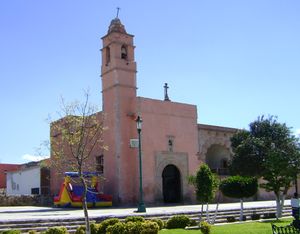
[124, 52]
[180, 161]
[171, 184]
[217, 158]
[226, 143]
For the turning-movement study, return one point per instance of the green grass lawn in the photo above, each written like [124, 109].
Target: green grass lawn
[238, 228]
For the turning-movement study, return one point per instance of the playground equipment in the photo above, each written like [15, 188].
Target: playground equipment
[71, 195]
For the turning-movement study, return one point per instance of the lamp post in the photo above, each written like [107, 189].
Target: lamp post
[141, 206]
[296, 187]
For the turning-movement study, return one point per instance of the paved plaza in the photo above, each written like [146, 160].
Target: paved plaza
[31, 212]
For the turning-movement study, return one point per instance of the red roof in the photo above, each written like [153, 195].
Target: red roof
[6, 168]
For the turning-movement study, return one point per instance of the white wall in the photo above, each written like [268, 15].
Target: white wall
[21, 182]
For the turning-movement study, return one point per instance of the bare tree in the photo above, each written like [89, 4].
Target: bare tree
[76, 138]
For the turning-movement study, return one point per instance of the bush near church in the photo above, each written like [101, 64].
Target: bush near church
[131, 225]
[178, 221]
[146, 227]
[160, 223]
[94, 229]
[149, 227]
[134, 219]
[56, 230]
[104, 224]
[11, 232]
[205, 227]
[134, 227]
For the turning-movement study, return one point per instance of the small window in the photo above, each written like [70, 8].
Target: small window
[107, 55]
[124, 52]
[35, 191]
[170, 143]
[100, 164]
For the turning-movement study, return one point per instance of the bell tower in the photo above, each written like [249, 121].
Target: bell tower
[118, 72]
[118, 65]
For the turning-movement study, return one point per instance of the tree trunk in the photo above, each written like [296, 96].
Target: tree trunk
[242, 210]
[207, 213]
[85, 209]
[282, 204]
[200, 218]
[217, 209]
[216, 212]
[279, 204]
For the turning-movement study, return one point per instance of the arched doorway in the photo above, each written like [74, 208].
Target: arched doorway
[217, 158]
[171, 184]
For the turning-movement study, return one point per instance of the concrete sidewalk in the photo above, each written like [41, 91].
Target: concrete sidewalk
[30, 212]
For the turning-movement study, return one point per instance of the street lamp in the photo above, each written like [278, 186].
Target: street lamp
[296, 187]
[141, 206]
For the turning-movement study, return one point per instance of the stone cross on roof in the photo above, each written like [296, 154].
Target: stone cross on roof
[166, 92]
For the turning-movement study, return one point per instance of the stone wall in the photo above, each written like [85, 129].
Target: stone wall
[213, 135]
[25, 200]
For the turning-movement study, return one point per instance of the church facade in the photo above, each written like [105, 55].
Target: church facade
[173, 143]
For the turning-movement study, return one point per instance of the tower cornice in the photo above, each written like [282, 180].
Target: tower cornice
[109, 34]
[120, 85]
[118, 68]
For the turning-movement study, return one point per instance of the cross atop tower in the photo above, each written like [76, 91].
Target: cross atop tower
[118, 10]
[166, 92]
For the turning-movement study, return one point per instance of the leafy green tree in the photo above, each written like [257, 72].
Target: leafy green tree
[239, 187]
[268, 150]
[206, 184]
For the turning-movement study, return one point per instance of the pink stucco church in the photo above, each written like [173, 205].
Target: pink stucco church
[173, 143]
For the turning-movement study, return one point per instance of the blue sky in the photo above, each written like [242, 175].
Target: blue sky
[235, 60]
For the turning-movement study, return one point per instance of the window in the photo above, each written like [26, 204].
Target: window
[170, 143]
[124, 52]
[100, 164]
[107, 55]
[35, 191]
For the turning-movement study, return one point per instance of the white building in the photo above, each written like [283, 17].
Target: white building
[31, 179]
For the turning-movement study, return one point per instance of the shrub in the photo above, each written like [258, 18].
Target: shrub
[239, 186]
[32, 232]
[11, 232]
[134, 219]
[269, 216]
[94, 228]
[133, 227]
[81, 229]
[149, 227]
[255, 216]
[56, 230]
[104, 224]
[117, 228]
[159, 222]
[193, 222]
[205, 227]
[230, 219]
[178, 221]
